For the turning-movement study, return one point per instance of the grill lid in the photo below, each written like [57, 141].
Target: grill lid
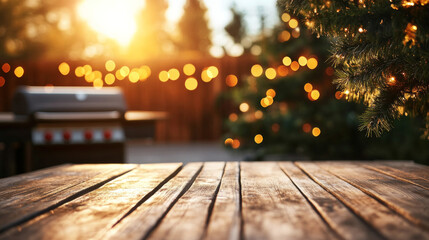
[31, 100]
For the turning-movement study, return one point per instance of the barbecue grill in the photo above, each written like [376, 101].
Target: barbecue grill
[56, 125]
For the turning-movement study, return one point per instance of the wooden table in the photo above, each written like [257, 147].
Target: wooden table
[217, 200]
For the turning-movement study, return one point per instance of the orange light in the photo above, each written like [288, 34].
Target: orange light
[231, 80]
[258, 139]
[189, 69]
[329, 71]
[163, 76]
[98, 74]
[235, 143]
[229, 141]
[144, 73]
[19, 72]
[312, 63]
[293, 23]
[64, 68]
[256, 70]
[306, 127]
[90, 77]
[233, 117]
[284, 36]
[264, 102]
[316, 132]
[110, 65]
[270, 92]
[109, 79]
[119, 75]
[87, 69]
[308, 87]
[270, 73]
[174, 74]
[338, 95]
[2, 81]
[282, 71]
[259, 114]
[275, 128]
[191, 84]
[5, 67]
[287, 61]
[294, 66]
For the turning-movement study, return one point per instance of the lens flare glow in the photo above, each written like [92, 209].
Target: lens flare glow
[111, 18]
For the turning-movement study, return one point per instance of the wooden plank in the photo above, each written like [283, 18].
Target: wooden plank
[225, 220]
[273, 208]
[187, 219]
[98, 210]
[399, 174]
[406, 199]
[338, 216]
[139, 223]
[415, 169]
[32, 194]
[384, 220]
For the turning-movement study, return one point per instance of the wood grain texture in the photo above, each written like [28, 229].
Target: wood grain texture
[273, 208]
[383, 219]
[140, 222]
[225, 220]
[399, 174]
[410, 167]
[407, 199]
[98, 210]
[187, 219]
[26, 196]
[336, 214]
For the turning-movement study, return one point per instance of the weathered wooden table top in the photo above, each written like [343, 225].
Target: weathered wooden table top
[217, 200]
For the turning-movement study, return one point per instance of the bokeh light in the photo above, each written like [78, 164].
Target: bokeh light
[315, 94]
[19, 72]
[98, 83]
[109, 79]
[259, 114]
[206, 75]
[308, 87]
[285, 17]
[316, 132]
[294, 66]
[282, 71]
[144, 72]
[256, 70]
[2, 81]
[5, 67]
[258, 139]
[338, 95]
[90, 77]
[189, 69]
[293, 23]
[270, 73]
[231, 80]
[233, 117]
[244, 107]
[174, 74]
[64, 68]
[118, 75]
[302, 61]
[312, 63]
[229, 141]
[134, 76]
[306, 127]
[287, 61]
[235, 143]
[79, 71]
[125, 71]
[163, 76]
[110, 65]
[191, 84]
[212, 72]
[271, 92]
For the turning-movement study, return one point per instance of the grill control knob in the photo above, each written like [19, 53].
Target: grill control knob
[48, 136]
[88, 135]
[107, 134]
[67, 135]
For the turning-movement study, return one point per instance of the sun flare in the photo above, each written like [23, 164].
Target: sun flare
[111, 18]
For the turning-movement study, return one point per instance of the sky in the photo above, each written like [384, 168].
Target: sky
[219, 14]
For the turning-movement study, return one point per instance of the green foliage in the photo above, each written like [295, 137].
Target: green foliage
[380, 50]
[195, 33]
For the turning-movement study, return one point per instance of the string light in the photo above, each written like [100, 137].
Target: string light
[244, 107]
[5, 67]
[270, 73]
[285, 17]
[256, 70]
[19, 72]
[308, 87]
[233, 117]
[163, 76]
[2, 81]
[302, 61]
[109, 79]
[231, 80]
[174, 74]
[312, 63]
[316, 132]
[191, 84]
[287, 61]
[64, 68]
[79, 72]
[270, 92]
[294, 66]
[110, 65]
[189, 69]
[258, 139]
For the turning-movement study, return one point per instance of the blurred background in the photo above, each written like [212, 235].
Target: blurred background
[238, 79]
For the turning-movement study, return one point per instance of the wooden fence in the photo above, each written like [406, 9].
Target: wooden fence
[193, 115]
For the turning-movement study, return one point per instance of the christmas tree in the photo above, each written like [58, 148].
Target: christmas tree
[288, 105]
[380, 50]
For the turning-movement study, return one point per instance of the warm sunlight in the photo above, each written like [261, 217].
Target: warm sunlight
[112, 18]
